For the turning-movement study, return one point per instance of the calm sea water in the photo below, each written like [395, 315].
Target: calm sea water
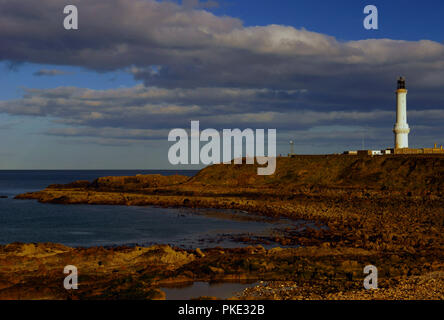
[98, 225]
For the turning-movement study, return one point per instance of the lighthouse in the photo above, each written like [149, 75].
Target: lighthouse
[401, 128]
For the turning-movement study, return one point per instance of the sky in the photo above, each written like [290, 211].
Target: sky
[105, 96]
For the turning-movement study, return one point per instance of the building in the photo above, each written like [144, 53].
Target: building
[370, 152]
[401, 128]
[434, 150]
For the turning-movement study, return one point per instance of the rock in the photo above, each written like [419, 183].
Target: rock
[275, 250]
[200, 253]
[157, 294]
[216, 270]
[360, 223]
[188, 274]
[260, 249]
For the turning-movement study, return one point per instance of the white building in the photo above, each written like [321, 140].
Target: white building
[401, 128]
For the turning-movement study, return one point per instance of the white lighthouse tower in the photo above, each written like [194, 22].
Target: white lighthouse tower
[401, 129]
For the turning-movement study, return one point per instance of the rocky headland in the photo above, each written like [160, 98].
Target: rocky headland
[387, 211]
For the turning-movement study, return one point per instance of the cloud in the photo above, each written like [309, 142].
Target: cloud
[131, 115]
[109, 133]
[192, 4]
[199, 66]
[172, 46]
[140, 107]
[191, 47]
[49, 72]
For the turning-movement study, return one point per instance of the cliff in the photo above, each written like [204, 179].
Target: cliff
[411, 173]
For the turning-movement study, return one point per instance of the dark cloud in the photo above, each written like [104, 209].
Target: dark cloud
[173, 46]
[196, 65]
[110, 133]
[49, 72]
[141, 113]
[195, 47]
[141, 107]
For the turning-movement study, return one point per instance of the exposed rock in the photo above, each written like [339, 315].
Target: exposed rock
[387, 211]
[200, 253]
[216, 270]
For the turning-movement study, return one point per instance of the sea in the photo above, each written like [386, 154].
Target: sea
[106, 225]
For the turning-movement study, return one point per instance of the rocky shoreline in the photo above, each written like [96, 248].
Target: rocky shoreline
[35, 271]
[385, 211]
